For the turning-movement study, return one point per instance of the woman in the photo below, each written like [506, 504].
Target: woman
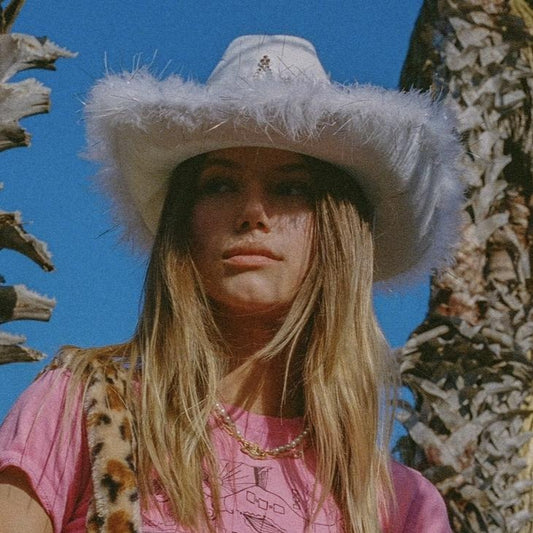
[255, 393]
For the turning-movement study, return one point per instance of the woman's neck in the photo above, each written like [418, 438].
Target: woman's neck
[245, 334]
[258, 385]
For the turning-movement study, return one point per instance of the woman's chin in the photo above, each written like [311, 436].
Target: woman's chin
[256, 307]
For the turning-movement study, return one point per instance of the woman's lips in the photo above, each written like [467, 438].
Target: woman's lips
[249, 257]
[248, 260]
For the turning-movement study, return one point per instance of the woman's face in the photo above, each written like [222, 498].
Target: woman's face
[252, 228]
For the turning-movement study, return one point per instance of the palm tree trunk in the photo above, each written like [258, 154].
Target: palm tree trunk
[469, 363]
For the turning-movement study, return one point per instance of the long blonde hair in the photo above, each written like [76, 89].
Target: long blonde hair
[347, 377]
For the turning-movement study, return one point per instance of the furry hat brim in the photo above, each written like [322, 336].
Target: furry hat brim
[400, 147]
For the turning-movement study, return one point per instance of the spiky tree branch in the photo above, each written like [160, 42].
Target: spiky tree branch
[18, 100]
[9, 14]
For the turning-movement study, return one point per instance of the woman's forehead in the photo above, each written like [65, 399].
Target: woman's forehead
[255, 156]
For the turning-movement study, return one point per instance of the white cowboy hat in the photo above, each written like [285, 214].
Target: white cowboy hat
[271, 91]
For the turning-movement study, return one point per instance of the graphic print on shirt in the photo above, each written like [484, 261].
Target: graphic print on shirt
[254, 499]
[255, 506]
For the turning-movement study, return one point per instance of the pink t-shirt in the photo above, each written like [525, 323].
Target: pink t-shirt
[257, 495]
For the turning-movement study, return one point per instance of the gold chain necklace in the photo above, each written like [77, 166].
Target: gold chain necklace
[252, 449]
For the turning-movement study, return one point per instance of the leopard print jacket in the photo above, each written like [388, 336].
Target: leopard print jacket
[114, 507]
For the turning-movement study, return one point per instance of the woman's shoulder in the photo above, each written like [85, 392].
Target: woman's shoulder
[43, 437]
[58, 395]
[84, 361]
[419, 505]
[409, 484]
[404, 476]
[58, 423]
[46, 394]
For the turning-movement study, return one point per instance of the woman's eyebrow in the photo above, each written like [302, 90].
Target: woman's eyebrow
[293, 167]
[229, 163]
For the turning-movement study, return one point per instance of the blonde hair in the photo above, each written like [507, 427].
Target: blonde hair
[347, 376]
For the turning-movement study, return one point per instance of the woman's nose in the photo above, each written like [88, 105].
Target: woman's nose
[252, 213]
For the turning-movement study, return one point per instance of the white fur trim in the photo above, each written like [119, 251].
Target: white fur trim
[401, 148]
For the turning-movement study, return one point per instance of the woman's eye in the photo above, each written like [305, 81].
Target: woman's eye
[216, 185]
[294, 188]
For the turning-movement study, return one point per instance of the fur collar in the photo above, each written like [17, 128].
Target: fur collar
[114, 507]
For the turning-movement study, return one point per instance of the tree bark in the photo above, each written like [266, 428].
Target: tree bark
[469, 363]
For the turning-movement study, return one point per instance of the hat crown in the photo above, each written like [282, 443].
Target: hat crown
[282, 57]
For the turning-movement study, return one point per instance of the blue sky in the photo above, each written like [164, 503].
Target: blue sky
[97, 280]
